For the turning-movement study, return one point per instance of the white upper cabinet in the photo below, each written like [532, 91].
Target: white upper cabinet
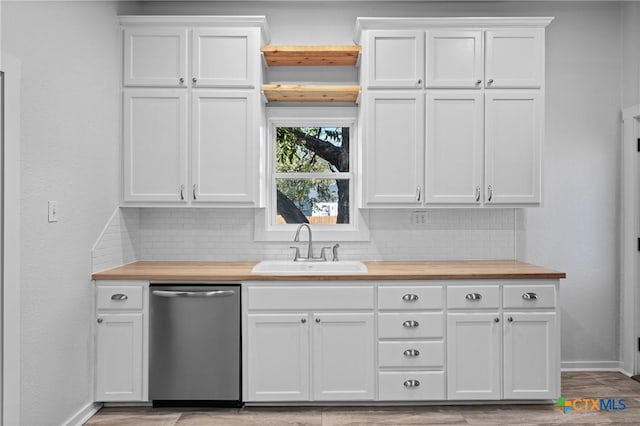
[155, 57]
[512, 147]
[395, 59]
[514, 58]
[224, 57]
[155, 145]
[454, 59]
[223, 146]
[454, 143]
[191, 107]
[394, 147]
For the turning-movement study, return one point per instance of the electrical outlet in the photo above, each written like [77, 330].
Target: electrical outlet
[419, 218]
[53, 211]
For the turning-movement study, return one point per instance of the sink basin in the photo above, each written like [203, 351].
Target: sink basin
[289, 267]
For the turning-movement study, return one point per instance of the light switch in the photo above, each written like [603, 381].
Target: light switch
[419, 218]
[53, 211]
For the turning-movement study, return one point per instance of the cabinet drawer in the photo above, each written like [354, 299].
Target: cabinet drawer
[306, 298]
[473, 297]
[114, 297]
[396, 386]
[529, 296]
[413, 298]
[410, 354]
[410, 325]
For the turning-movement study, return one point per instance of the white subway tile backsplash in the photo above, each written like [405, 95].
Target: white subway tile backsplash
[227, 234]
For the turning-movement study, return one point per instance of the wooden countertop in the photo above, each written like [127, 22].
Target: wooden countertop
[241, 271]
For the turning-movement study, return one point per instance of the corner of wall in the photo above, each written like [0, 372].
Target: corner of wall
[119, 241]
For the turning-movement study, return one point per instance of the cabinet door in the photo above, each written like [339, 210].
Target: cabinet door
[343, 357]
[454, 59]
[395, 59]
[119, 357]
[224, 146]
[514, 128]
[224, 57]
[155, 57]
[155, 137]
[514, 58]
[454, 157]
[531, 365]
[473, 355]
[278, 357]
[394, 148]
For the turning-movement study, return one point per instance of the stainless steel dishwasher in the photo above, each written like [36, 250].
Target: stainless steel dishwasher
[194, 345]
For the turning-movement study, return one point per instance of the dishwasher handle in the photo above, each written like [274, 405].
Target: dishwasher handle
[215, 293]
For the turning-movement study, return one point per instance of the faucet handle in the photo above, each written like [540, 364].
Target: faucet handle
[297, 254]
[323, 255]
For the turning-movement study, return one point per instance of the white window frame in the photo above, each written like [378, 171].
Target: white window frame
[357, 229]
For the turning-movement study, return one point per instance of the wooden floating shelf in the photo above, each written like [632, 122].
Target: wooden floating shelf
[302, 93]
[346, 56]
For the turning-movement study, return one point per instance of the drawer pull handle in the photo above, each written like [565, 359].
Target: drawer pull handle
[473, 296]
[530, 296]
[410, 297]
[410, 324]
[411, 383]
[411, 352]
[119, 296]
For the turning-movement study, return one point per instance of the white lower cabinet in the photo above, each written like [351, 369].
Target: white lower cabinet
[278, 357]
[121, 342]
[473, 355]
[530, 355]
[503, 354]
[320, 354]
[343, 356]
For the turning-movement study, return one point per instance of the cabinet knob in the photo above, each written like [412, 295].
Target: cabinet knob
[418, 193]
[100, 320]
[410, 297]
[489, 192]
[473, 296]
[410, 324]
[411, 383]
[182, 192]
[195, 187]
[510, 319]
[530, 296]
[411, 352]
[303, 320]
[194, 80]
[318, 320]
[181, 80]
[496, 319]
[478, 82]
[490, 82]
[477, 194]
[419, 82]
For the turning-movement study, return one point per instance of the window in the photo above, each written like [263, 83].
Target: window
[311, 174]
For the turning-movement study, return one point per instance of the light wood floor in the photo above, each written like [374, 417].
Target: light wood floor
[574, 386]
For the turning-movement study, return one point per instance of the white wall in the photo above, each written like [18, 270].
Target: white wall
[69, 52]
[576, 230]
[630, 54]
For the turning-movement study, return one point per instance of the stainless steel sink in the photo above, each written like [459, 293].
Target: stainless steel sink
[289, 267]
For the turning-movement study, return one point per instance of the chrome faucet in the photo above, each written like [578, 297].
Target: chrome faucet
[297, 239]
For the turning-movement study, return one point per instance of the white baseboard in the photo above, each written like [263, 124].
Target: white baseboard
[84, 414]
[591, 366]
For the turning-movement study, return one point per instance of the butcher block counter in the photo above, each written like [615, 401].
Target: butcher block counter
[416, 270]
